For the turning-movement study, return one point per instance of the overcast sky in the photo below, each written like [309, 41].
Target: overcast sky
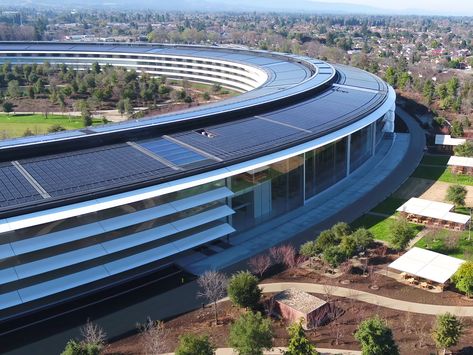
[461, 7]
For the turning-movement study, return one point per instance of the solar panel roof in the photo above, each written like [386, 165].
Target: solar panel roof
[14, 188]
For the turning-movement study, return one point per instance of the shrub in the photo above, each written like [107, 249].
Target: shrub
[376, 338]
[447, 331]
[456, 194]
[56, 128]
[334, 256]
[401, 233]
[463, 278]
[348, 246]
[326, 239]
[341, 229]
[75, 347]
[308, 249]
[190, 344]
[243, 290]
[464, 150]
[363, 239]
[250, 334]
[298, 342]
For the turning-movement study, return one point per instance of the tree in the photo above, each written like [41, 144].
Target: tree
[152, 336]
[463, 278]
[250, 334]
[308, 249]
[326, 239]
[363, 239]
[7, 107]
[334, 255]
[298, 342]
[456, 130]
[341, 229]
[213, 285]
[376, 338]
[456, 194]
[259, 264]
[190, 344]
[447, 331]
[243, 289]
[464, 150]
[13, 89]
[401, 233]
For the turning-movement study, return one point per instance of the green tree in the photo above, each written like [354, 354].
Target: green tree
[456, 130]
[243, 290]
[447, 331]
[391, 76]
[348, 246]
[463, 278]
[363, 239]
[7, 107]
[308, 249]
[401, 233]
[13, 89]
[341, 229]
[456, 194]
[334, 255]
[121, 107]
[298, 342]
[190, 344]
[464, 149]
[428, 91]
[250, 334]
[326, 239]
[376, 338]
[75, 347]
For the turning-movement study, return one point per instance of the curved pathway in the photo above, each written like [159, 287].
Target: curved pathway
[405, 306]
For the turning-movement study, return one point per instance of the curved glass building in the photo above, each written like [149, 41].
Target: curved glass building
[83, 210]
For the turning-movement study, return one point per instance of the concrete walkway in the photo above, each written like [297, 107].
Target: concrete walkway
[404, 306]
[279, 351]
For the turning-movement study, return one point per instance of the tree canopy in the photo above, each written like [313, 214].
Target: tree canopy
[243, 289]
[190, 344]
[376, 338]
[447, 331]
[463, 278]
[298, 342]
[250, 334]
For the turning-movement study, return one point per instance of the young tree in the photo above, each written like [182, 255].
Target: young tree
[250, 334]
[190, 344]
[152, 336]
[363, 239]
[213, 286]
[463, 278]
[259, 264]
[334, 255]
[456, 194]
[298, 342]
[376, 338]
[447, 331]
[74, 347]
[401, 233]
[341, 229]
[326, 239]
[13, 89]
[243, 290]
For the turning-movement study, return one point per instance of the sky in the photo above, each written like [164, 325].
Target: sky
[464, 7]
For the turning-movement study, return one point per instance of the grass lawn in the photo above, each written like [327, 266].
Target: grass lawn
[442, 174]
[379, 226]
[15, 125]
[389, 206]
[438, 241]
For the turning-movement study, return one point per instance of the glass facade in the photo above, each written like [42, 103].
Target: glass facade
[325, 166]
[361, 147]
[267, 192]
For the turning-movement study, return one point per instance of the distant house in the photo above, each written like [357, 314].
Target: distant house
[293, 305]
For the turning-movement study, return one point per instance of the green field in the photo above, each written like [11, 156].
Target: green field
[379, 226]
[446, 242]
[15, 125]
[441, 174]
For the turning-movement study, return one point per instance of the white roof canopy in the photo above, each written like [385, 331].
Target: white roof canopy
[461, 161]
[427, 264]
[433, 209]
[446, 139]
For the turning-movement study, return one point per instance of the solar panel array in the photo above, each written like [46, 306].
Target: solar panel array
[14, 188]
[91, 169]
[172, 152]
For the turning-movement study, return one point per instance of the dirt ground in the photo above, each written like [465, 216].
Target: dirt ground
[427, 189]
[412, 331]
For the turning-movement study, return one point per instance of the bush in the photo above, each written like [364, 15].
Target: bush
[250, 334]
[463, 278]
[7, 107]
[401, 233]
[348, 246]
[308, 249]
[376, 338]
[464, 150]
[326, 239]
[456, 194]
[75, 347]
[298, 342]
[363, 239]
[190, 344]
[447, 331]
[334, 256]
[341, 229]
[56, 128]
[243, 290]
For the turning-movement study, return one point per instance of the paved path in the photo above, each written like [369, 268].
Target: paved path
[405, 306]
[279, 350]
